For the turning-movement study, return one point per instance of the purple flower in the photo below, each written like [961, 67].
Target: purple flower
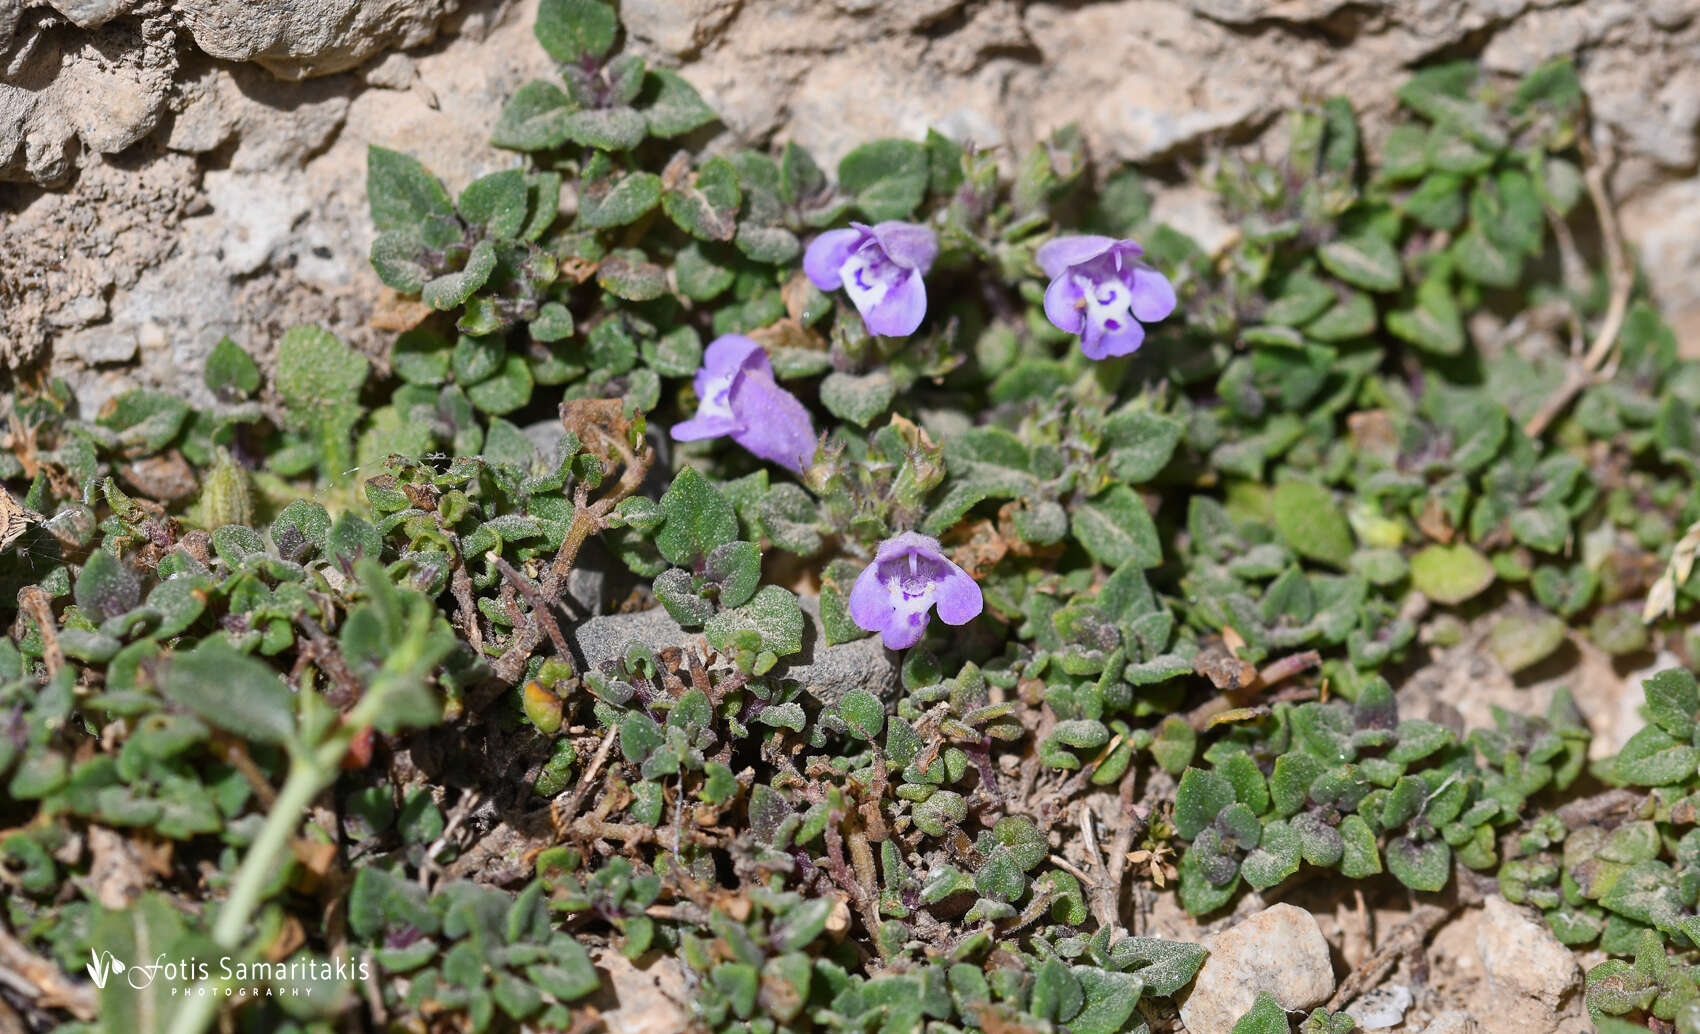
[910, 574]
[738, 397]
[1101, 291]
[880, 268]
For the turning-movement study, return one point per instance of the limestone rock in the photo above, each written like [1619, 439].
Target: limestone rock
[1452, 1021]
[1382, 1007]
[646, 997]
[1520, 954]
[1280, 950]
[296, 39]
[676, 27]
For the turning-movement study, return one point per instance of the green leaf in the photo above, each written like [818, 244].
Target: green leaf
[888, 178]
[1275, 858]
[1673, 700]
[554, 322]
[573, 30]
[736, 568]
[699, 518]
[451, 290]
[231, 691]
[1001, 878]
[231, 373]
[699, 275]
[625, 274]
[533, 119]
[1308, 518]
[863, 713]
[1521, 641]
[507, 391]
[775, 619]
[1360, 858]
[1141, 443]
[496, 202]
[1116, 529]
[1162, 965]
[1420, 866]
[799, 177]
[1481, 260]
[1365, 260]
[1201, 796]
[106, 587]
[609, 129]
[1438, 201]
[707, 206]
[771, 245]
[1353, 316]
[1266, 1017]
[624, 201]
[858, 398]
[672, 106]
[351, 538]
[402, 194]
[1450, 574]
[1652, 757]
[1435, 323]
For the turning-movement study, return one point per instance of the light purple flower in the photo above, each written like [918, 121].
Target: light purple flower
[738, 397]
[880, 268]
[909, 575]
[1101, 291]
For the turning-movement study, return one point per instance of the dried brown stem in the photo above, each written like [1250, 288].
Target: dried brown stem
[1408, 936]
[41, 980]
[563, 816]
[540, 610]
[33, 600]
[1622, 279]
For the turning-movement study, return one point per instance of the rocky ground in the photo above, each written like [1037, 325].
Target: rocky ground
[171, 174]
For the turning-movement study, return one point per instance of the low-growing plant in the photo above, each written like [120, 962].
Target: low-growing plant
[850, 585]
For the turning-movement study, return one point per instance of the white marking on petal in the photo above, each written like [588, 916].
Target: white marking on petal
[869, 276]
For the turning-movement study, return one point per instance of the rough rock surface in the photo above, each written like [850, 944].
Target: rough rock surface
[1521, 956]
[265, 225]
[646, 997]
[300, 38]
[1453, 1021]
[1280, 950]
[1504, 968]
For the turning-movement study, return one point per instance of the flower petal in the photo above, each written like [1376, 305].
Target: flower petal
[1058, 254]
[902, 308]
[908, 541]
[870, 605]
[1101, 341]
[1063, 305]
[910, 245]
[826, 255]
[1153, 295]
[773, 424]
[958, 596]
[729, 353]
[703, 425]
[904, 630]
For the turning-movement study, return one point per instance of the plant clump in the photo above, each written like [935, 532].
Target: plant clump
[329, 680]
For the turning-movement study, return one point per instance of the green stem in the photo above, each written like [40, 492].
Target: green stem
[303, 784]
[308, 776]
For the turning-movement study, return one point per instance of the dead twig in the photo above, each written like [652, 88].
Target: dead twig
[463, 807]
[33, 600]
[540, 612]
[1406, 937]
[42, 981]
[1592, 366]
[562, 817]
